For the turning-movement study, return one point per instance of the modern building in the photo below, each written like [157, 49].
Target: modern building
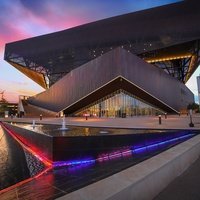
[198, 87]
[129, 65]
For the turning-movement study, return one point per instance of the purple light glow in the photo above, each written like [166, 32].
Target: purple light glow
[74, 162]
[148, 147]
[118, 154]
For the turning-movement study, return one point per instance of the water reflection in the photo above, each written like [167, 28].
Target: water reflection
[87, 131]
[16, 163]
[54, 130]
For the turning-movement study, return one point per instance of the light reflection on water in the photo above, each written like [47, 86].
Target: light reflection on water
[23, 165]
[16, 163]
[54, 130]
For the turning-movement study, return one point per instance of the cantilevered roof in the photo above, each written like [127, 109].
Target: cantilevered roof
[167, 36]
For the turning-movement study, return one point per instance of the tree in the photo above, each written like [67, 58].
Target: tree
[193, 106]
[2, 99]
[3, 104]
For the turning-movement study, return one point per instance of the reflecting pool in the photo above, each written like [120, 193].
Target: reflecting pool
[18, 164]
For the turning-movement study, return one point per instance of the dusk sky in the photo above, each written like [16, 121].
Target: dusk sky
[20, 19]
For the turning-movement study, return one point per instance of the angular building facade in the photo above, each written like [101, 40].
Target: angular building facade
[129, 65]
[198, 87]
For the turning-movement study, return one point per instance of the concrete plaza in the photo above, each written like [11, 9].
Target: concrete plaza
[143, 122]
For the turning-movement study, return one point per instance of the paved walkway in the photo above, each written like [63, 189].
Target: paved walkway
[172, 122]
[185, 187]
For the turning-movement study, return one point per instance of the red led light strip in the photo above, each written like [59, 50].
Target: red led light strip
[46, 162]
[23, 182]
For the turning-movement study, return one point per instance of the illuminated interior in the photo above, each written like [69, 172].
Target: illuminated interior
[119, 104]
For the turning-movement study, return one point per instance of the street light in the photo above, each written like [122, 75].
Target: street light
[191, 123]
[159, 119]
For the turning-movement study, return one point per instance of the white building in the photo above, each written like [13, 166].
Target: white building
[198, 87]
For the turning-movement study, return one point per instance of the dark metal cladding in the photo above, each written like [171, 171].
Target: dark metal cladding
[148, 34]
[109, 72]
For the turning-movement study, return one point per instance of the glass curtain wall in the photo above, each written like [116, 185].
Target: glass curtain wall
[119, 104]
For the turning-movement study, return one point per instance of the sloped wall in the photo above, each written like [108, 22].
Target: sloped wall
[90, 77]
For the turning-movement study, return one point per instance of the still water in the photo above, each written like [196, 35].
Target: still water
[55, 130]
[16, 163]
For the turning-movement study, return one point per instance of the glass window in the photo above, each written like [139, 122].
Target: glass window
[119, 104]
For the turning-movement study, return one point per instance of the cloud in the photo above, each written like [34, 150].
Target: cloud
[26, 92]
[18, 23]
[11, 96]
[16, 84]
[21, 83]
[20, 19]
[11, 33]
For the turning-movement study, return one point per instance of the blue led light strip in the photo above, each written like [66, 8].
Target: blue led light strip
[162, 143]
[71, 163]
[118, 154]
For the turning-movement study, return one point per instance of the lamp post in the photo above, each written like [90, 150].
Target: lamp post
[191, 123]
[86, 116]
[159, 119]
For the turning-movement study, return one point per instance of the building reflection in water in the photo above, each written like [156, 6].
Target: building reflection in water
[17, 164]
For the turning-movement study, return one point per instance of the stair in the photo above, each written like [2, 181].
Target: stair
[34, 111]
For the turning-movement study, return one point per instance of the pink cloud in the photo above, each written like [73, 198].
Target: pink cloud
[22, 19]
[26, 92]
[56, 17]
[11, 97]
[21, 83]
[11, 33]
[22, 23]
[16, 84]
